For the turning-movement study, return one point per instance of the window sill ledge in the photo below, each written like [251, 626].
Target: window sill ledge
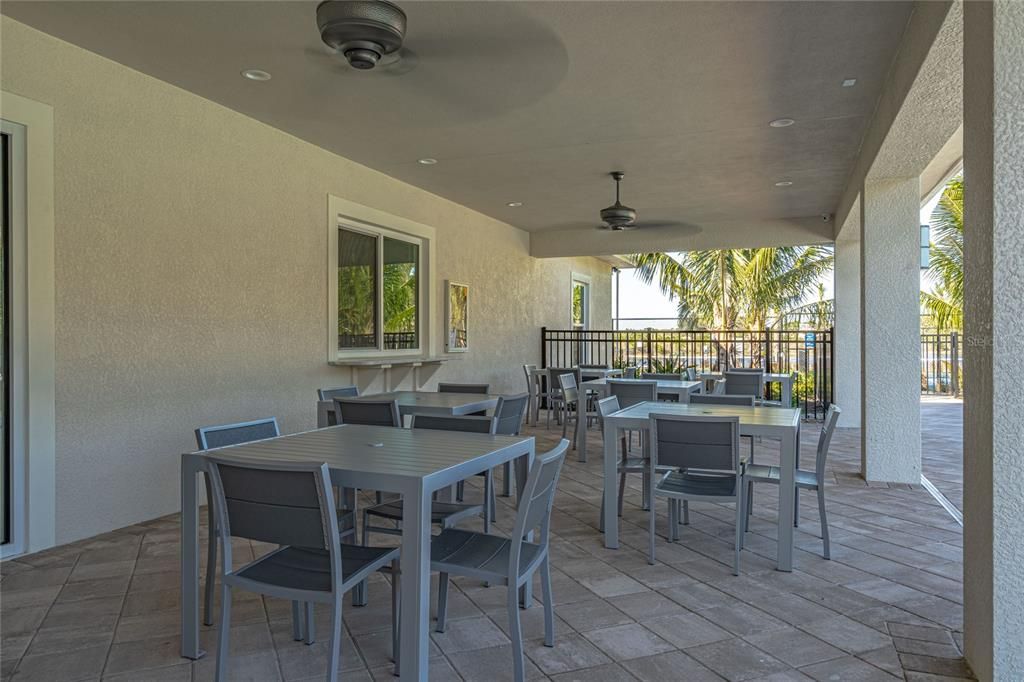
[386, 362]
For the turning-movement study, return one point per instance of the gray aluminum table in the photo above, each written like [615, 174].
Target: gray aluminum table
[412, 462]
[782, 423]
[681, 389]
[422, 402]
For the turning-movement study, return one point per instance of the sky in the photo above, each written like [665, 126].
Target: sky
[640, 300]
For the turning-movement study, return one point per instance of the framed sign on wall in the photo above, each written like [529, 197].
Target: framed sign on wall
[457, 316]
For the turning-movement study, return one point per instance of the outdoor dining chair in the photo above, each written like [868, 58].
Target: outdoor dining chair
[535, 393]
[554, 392]
[630, 372]
[291, 505]
[325, 404]
[805, 480]
[704, 453]
[570, 395]
[662, 376]
[512, 561]
[627, 464]
[724, 399]
[509, 414]
[748, 382]
[367, 412]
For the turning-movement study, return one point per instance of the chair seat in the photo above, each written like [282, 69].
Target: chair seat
[310, 569]
[477, 554]
[697, 485]
[440, 512]
[768, 474]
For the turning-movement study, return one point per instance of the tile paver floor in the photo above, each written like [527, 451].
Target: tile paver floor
[887, 606]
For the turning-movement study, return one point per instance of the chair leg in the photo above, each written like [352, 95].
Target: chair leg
[749, 505]
[334, 654]
[491, 494]
[671, 519]
[211, 556]
[442, 603]
[506, 480]
[650, 526]
[515, 632]
[686, 513]
[622, 489]
[796, 507]
[396, 611]
[310, 625]
[549, 605]
[223, 635]
[824, 521]
[360, 594]
[297, 628]
[739, 530]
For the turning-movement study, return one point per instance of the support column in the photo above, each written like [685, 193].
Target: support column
[994, 338]
[846, 342]
[890, 330]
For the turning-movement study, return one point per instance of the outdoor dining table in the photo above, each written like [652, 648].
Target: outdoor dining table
[782, 423]
[784, 380]
[421, 402]
[412, 462]
[680, 389]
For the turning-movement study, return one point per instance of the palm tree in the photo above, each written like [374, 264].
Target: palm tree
[727, 289]
[946, 259]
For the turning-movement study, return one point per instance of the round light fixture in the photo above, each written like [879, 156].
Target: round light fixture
[781, 123]
[427, 161]
[849, 82]
[784, 183]
[256, 75]
[514, 204]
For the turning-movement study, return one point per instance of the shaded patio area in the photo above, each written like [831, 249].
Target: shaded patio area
[887, 606]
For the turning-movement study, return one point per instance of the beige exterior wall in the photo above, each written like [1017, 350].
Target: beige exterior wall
[191, 280]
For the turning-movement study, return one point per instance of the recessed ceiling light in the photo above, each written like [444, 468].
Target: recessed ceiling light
[427, 161]
[514, 204]
[781, 123]
[784, 183]
[256, 75]
[849, 82]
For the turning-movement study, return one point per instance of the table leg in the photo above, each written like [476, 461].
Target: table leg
[189, 560]
[787, 472]
[611, 505]
[581, 426]
[415, 617]
[522, 465]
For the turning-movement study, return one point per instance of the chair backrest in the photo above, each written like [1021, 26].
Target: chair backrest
[655, 376]
[537, 500]
[282, 503]
[466, 424]
[463, 388]
[597, 365]
[720, 399]
[606, 406]
[631, 393]
[509, 414]
[691, 373]
[339, 392]
[744, 383]
[824, 440]
[367, 412]
[570, 390]
[629, 373]
[555, 372]
[233, 434]
[695, 442]
[530, 384]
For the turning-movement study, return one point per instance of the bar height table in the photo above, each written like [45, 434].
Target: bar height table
[412, 462]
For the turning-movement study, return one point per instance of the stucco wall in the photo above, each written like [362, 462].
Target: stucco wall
[191, 276]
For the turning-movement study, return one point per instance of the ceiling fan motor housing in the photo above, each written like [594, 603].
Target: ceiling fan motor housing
[362, 30]
[618, 216]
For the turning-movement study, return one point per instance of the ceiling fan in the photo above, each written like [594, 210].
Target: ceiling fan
[618, 217]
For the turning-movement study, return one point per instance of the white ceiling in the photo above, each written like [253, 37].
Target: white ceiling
[536, 102]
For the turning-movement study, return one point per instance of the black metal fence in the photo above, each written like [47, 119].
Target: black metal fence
[941, 363]
[807, 353]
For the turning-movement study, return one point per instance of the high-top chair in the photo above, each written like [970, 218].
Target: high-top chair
[805, 480]
[291, 505]
[705, 453]
[512, 561]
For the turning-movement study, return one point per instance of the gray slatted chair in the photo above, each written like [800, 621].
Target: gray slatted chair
[631, 393]
[509, 414]
[691, 373]
[554, 392]
[291, 505]
[744, 382]
[325, 406]
[367, 412]
[502, 560]
[723, 399]
[570, 395]
[630, 372]
[705, 452]
[531, 390]
[662, 376]
[805, 480]
[466, 388]
[626, 465]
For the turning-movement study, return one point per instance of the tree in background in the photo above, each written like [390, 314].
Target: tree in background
[945, 305]
[735, 288]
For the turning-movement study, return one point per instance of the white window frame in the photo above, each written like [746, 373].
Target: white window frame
[588, 284]
[345, 214]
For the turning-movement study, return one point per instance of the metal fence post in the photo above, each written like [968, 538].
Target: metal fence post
[650, 351]
[954, 352]
[543, 347]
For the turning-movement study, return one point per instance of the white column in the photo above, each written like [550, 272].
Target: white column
[994, 338]
[846, 342]
[890, 330]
